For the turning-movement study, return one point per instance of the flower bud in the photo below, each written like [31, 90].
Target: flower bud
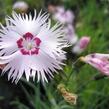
[98, 61]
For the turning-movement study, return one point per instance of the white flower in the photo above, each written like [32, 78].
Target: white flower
[31, 46]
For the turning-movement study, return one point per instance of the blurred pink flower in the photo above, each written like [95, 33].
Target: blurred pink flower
[21, 6]
[98, 61]
[63, 16]
[81, 45]
[51, 8]
[70, 34]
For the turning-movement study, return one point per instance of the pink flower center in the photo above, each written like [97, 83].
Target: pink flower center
[29, 44]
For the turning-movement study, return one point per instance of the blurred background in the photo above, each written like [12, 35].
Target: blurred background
[86, 25]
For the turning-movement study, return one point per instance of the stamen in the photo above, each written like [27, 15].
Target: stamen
[29, 46]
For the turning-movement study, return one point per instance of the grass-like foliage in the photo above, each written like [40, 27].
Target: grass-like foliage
[92, 89]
